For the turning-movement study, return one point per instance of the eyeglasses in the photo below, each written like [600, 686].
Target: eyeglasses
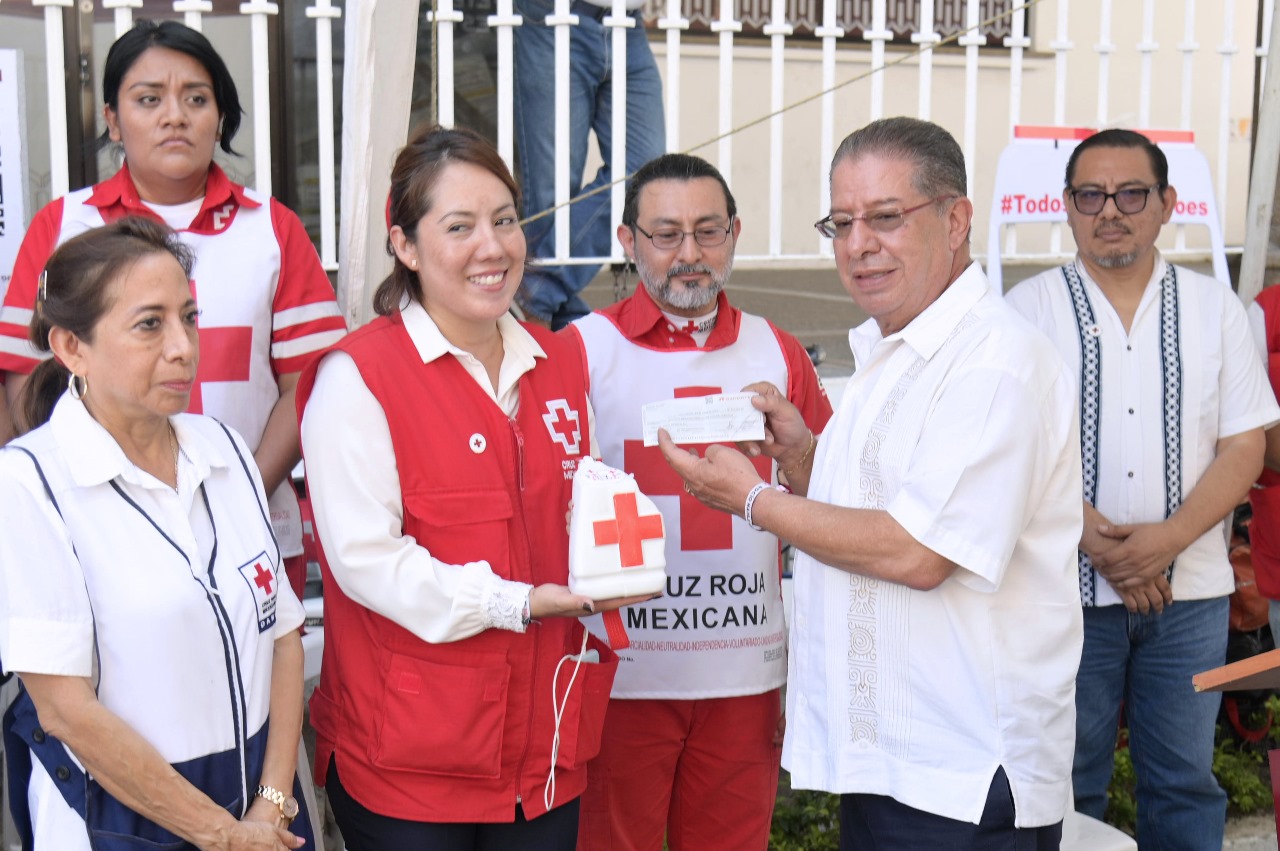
[708, 236]
[1089, 202]
[881, 221]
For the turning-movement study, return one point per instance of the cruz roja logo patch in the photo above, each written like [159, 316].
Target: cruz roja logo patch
[261, 576]
[563, 425]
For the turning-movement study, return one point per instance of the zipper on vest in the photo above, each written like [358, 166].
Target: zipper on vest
[530, 726]
[519, 436]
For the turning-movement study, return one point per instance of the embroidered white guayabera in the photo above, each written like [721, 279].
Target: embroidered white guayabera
[961, 428]
[1160, 435]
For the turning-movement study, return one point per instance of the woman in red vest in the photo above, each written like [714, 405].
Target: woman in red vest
[460, 698]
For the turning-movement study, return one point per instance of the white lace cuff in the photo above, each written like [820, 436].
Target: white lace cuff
[502, 603]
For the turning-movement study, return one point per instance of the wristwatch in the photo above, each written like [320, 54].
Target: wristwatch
[288, 805]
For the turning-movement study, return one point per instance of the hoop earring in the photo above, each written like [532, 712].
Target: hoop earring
[77, 390]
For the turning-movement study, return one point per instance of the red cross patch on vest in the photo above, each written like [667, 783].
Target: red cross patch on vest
[563, 426]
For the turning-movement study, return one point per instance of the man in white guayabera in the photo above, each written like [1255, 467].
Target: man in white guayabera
[937, 622]
[1173, 403]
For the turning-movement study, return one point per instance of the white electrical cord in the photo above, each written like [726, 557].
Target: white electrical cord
[557, 708]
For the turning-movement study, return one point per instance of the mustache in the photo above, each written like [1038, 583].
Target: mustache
[1114, 227]
[689, 269]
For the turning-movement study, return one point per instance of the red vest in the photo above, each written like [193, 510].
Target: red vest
[1264, 530]
[457, 732]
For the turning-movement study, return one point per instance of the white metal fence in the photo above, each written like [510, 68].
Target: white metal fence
[1194, 39]
[1140, 63]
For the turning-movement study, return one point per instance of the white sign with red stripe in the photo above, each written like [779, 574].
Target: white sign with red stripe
[1031, 172]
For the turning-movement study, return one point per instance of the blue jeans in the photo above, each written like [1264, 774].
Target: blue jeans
[551, 292]
[1147, 662]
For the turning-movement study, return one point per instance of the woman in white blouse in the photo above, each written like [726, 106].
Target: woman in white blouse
[141, 596]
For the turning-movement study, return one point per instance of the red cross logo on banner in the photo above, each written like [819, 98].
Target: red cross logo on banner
[701, 528]
[262, 578]
[628, 530]
[224, 356]
[564, 430]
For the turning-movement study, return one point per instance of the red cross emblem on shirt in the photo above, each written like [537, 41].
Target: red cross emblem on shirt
[701, 527]
[628, 529]
[224, 356]
[262, 578]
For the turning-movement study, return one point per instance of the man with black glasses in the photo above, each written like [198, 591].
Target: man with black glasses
[937, 625]
[692, 738]
[1173, 403]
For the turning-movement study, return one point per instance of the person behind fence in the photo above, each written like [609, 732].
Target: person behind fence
[169, 101]
[551, 294]
[1173, 402]
[143, 604]
[937, 625]
[460, 697]
[692, 737]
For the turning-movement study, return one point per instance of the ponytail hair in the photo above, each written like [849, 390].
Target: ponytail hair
[73, 293]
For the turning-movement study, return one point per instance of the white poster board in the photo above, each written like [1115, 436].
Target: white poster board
[13, 163]
[1030, 175]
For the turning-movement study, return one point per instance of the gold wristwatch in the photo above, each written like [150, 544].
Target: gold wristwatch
[288, 804]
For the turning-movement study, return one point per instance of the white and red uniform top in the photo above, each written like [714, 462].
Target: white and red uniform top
[266, 303]
[719, 630]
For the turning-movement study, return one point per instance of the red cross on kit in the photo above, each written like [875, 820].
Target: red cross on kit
[617, 541]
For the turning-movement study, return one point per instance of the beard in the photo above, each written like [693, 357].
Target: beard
[1114, 260]
[674, 295]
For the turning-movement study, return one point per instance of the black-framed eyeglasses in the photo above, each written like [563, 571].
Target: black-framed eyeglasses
[708, 236]
[1089, 202]
[881, 221]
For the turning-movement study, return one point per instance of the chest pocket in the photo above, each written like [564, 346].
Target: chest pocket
[462, 526]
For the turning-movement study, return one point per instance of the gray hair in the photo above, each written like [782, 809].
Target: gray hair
[938, 159]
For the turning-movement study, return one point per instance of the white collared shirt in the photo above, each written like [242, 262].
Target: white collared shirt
[355, 487]
[176, 601]
[1224, 392]
[47, 626]
[961, 426]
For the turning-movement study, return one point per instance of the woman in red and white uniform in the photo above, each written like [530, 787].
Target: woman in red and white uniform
[266, 303]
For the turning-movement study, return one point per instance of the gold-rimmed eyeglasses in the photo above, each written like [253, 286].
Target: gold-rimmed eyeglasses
[881, 221]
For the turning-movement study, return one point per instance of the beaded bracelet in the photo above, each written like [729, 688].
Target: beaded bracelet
[751, 501]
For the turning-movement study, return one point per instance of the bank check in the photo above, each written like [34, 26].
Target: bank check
[719, 418]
